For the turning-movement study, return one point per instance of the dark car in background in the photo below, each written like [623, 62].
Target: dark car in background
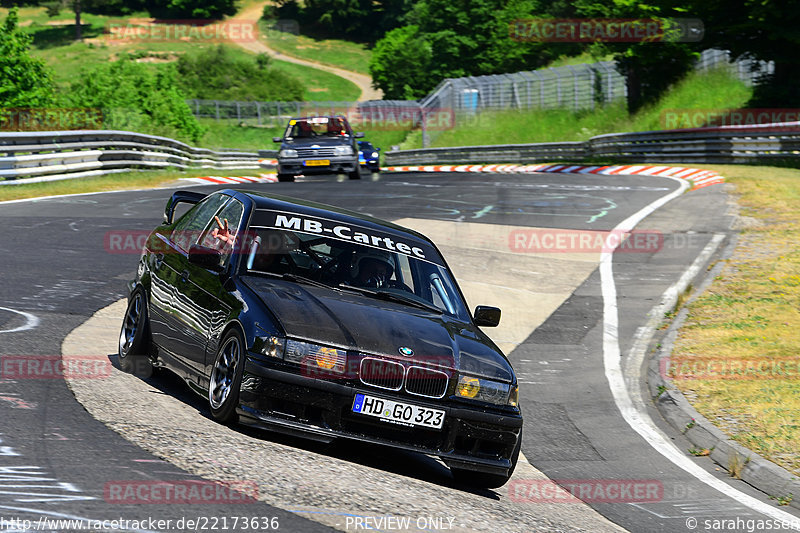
[318, 145]
[307, 319]
[369, 156]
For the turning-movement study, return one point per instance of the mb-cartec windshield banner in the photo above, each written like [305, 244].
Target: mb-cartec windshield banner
[338, 230]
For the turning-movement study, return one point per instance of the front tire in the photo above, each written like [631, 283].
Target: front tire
[134, 338]
[354, 175]
[226, 378]
[483, 480]
[285, 177]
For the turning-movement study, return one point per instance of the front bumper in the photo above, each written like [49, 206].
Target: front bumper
[337, 164]
[371, 164]
[322, 410]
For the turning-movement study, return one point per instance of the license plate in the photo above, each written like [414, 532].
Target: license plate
[398, 412]
[317, 162]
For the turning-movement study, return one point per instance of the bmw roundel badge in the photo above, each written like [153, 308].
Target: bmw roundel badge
[405, 350]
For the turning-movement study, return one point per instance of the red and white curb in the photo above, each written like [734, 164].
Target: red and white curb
[698, 177]
[264, 178]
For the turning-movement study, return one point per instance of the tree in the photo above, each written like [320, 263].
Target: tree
[453, 38]
[399, 63]
[650, 67]
[24, 80]
[764, 30]
[76, 6]
[359, 20]
[195, 9]
[113, 7]
[18, 3]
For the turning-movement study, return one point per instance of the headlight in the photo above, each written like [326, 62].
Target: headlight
[343, 150]
[375, 155]
[287, 152]
[316, 356]
[488, 391]
[271, 346]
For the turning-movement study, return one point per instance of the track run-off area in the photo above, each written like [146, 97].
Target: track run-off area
[547, 248]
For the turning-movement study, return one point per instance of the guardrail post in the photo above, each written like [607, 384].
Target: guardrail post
[216, 103]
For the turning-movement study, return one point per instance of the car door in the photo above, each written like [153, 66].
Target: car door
[167, 270]
[202, 309]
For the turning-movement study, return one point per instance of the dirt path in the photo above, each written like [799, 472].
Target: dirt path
[364, 82]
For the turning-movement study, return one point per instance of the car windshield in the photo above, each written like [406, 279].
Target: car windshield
[364, 145]
[350, 266]
[317, 127]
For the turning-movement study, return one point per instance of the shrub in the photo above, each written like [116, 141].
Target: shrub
[135, 97]
[25, 81]
[220, 75]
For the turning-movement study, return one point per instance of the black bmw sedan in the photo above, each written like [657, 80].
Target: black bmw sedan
[320, 322]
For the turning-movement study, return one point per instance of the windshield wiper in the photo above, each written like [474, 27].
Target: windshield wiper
[308, 281]
[297, 279]
[393, 297]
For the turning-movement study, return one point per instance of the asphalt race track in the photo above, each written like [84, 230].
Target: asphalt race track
[57, 461]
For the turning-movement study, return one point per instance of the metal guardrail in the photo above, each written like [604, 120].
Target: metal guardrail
[67, 154]
[63, 154]
[511, 153]
[726, 144]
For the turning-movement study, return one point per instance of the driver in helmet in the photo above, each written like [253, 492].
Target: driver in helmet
[372, 269]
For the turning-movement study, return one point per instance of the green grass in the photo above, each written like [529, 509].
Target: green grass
[709, 91]
[343, 54]
[582, 59]
[750, 316]
[70, 59]
[321, 85]
[55, 44]
[229, 134]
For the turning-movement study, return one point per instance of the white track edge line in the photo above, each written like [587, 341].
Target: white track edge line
[31, 321]
[640, 421]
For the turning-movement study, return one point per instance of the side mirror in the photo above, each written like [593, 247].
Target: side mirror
[487, 316]
[277, 139]
[377, 149]
[208, 258]
[359, 135]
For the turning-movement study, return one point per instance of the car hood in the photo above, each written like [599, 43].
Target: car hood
[368, 325]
